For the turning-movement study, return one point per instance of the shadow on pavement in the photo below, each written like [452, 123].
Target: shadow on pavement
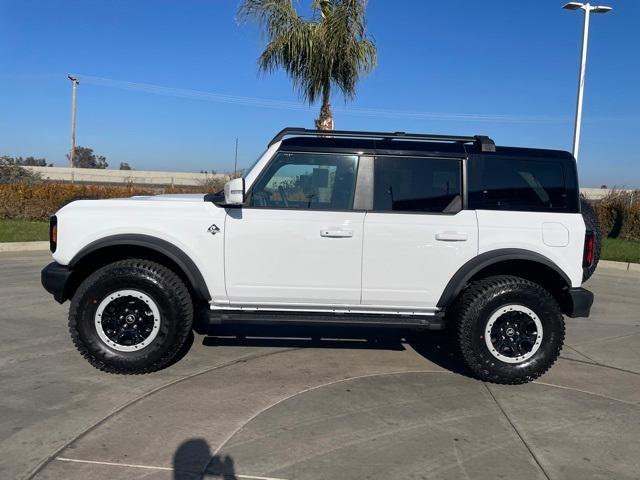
[435, 346]
[193, 457]
[440, 348]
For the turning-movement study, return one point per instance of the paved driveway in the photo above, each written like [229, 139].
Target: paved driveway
[291, 408]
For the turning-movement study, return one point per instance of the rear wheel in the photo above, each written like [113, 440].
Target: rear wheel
[509, 330]
[132, 316]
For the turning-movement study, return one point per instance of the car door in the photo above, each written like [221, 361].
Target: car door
[298, 241]
[417, 235]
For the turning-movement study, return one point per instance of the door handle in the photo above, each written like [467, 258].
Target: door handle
[336, 233]
[451, 237]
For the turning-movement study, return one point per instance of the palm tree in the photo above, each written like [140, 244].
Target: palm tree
[331, 49]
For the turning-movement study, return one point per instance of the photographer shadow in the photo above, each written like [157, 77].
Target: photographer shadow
[193, 460]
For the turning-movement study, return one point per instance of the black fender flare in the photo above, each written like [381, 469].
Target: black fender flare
[476, 264]
[163, 247]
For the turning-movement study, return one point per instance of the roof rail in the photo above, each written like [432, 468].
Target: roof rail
[484, 142]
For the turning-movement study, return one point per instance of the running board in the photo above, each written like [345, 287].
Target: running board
[219, 317]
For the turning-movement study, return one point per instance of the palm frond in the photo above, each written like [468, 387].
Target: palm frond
[316, 53]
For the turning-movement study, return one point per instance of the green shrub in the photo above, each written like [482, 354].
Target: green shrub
[608, 216]
[631, 224]
[619, 214]
[12, 172]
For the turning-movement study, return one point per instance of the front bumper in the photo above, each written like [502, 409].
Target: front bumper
[55, 280]
[578, 302]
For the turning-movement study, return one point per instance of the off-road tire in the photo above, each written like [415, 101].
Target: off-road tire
[483, 298]
[159, 283]
[591, 224]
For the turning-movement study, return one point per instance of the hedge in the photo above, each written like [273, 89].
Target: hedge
[631, 224]
[38, 201]
[619, 215]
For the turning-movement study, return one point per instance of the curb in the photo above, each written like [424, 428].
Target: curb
[627, 266]
[23, 246]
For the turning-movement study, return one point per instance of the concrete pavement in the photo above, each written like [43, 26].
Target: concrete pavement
[289, 408]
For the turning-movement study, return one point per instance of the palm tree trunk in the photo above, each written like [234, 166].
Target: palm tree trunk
[325, 119]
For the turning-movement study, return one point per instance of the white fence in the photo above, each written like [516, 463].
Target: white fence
[142, 177]
[598, 193]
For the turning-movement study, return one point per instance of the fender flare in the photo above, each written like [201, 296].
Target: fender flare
[158, 245]
[476, 264]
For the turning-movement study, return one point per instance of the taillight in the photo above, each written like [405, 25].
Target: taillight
[589, 248]
[53, 233]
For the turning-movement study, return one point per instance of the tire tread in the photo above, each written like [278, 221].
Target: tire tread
[171, 281]
[467, 310]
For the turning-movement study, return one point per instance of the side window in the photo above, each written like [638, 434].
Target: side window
[497, 183]
[307, 180]
[417, 184]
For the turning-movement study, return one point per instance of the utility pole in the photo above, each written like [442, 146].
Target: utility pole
[235, 163]
[74, 87]
[588, 9]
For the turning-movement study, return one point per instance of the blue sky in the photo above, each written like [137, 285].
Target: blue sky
[505, 69]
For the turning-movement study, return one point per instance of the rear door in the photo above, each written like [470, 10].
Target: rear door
[417, 234]
[298, 242]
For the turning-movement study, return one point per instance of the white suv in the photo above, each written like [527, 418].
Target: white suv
[365, 228]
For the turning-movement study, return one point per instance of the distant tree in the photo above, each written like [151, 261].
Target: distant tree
[125, 166]
[603, 186]
[11, 172]
[31, 162]
[85, 158]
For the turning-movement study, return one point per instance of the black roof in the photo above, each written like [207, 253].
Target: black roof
[400, 143]
[406, 147]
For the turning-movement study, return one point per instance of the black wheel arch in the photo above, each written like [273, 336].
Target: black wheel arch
[509, 261]
[119, 247]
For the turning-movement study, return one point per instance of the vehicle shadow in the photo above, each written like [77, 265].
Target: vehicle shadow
[435, 346]
[193, 460]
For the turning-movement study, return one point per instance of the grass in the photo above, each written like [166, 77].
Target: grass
[620, 250]
[23, 231]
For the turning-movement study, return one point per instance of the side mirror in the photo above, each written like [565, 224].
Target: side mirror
[234, 192]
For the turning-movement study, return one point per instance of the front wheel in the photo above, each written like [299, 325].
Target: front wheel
[131, 316]
[509, 330]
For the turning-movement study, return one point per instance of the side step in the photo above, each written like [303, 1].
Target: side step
[219, 317]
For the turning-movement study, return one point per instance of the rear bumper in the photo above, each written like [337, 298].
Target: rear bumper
[579, 301]
[55, 280]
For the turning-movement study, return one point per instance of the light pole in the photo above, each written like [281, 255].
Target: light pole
[588, 9]
[74, 87]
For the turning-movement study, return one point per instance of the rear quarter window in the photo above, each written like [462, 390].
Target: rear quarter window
[521, 184]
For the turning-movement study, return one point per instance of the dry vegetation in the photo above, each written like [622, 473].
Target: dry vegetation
[619, 214]
[37, 201]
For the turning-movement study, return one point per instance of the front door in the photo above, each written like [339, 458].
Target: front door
[417, 235]
[298, 241]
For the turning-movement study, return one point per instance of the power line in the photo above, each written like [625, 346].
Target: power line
[295, 106]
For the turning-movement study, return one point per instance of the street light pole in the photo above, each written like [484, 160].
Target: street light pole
[74, 87]
[587, 8]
